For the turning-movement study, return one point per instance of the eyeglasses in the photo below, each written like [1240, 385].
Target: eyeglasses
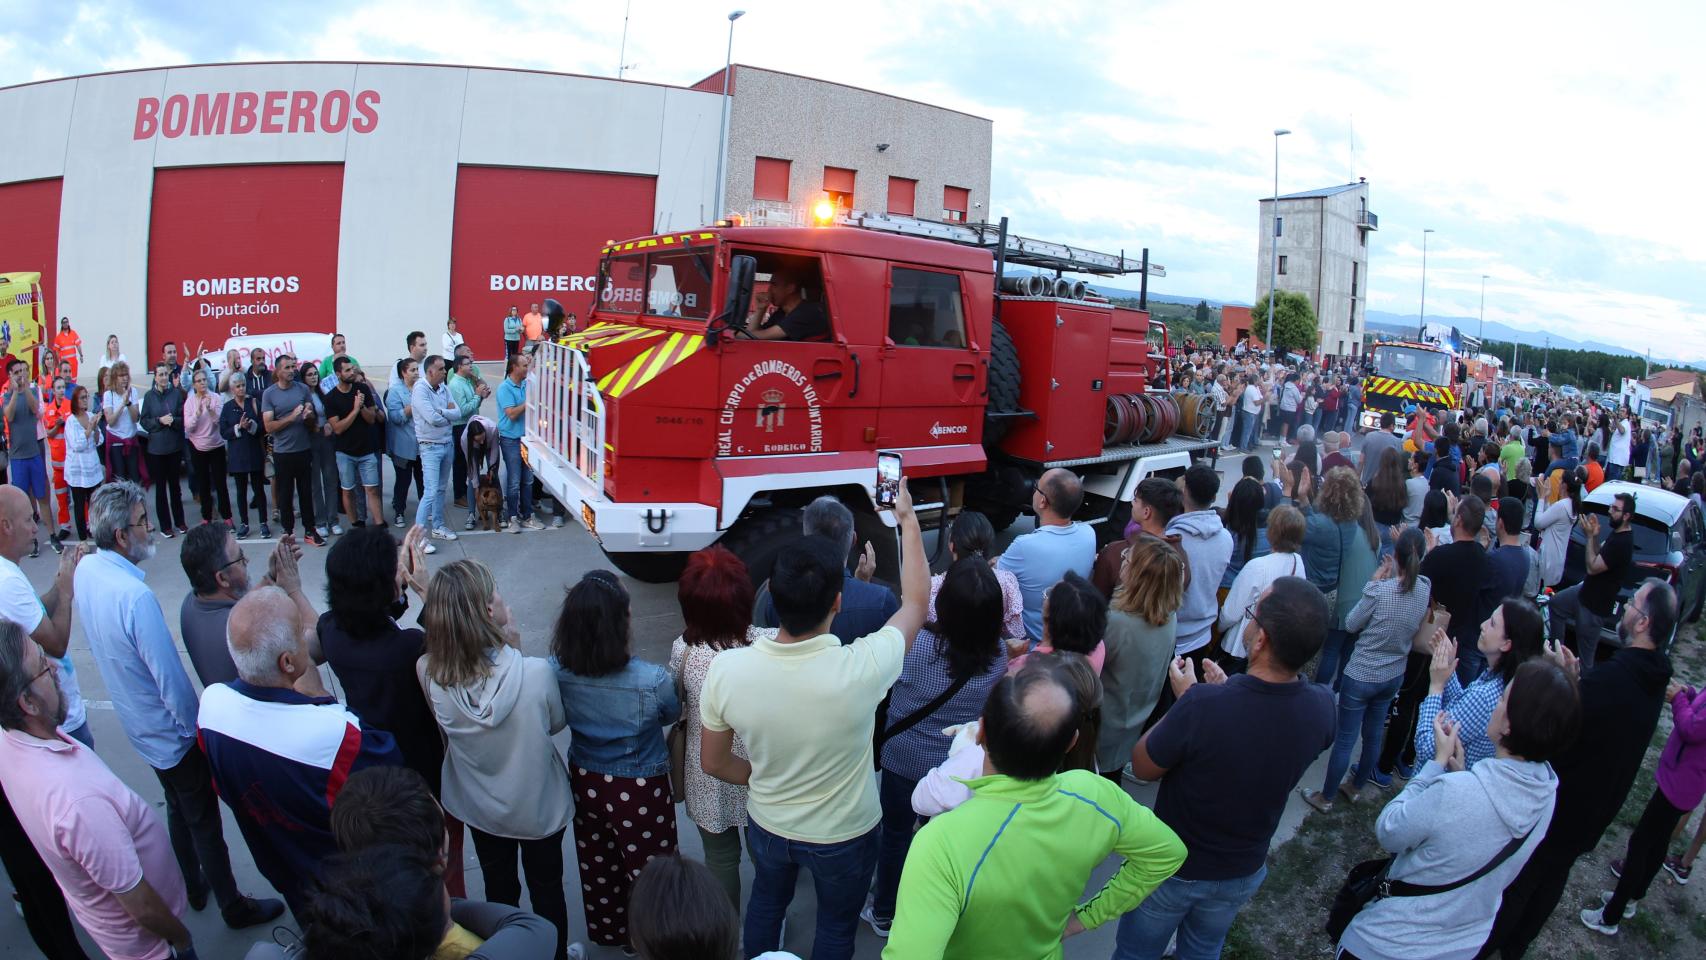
[48, 667]
[242, 558]
[1250, 614]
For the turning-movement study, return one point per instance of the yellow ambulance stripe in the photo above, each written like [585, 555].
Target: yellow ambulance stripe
[637, 333]
[683, 346]
[629, 372]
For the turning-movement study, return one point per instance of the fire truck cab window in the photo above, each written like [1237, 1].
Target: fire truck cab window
[788, 301]
[680, 284]
[624, 287]
[925, 309]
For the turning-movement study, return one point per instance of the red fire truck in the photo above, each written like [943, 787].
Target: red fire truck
[666, 426]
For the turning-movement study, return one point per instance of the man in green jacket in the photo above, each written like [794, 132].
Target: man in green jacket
[1002, 874]
[464, 383]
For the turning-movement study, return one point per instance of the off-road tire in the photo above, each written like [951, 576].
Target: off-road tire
[1003, 385]
[759, 536]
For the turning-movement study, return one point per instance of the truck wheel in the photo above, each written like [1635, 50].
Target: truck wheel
[1699, 603]
[997, 494]
[758, 537]
[1003, 385]
[651, 567]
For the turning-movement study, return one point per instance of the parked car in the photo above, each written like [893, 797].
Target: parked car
[1569, 391]
[1670, 543]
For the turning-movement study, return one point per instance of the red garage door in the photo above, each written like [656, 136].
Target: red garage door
[242, 251]
[29, 243]
[524, 235]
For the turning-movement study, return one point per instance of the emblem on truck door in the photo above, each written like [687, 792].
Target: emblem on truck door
[771, 410]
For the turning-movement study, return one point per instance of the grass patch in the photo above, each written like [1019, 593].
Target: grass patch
[1285, 918]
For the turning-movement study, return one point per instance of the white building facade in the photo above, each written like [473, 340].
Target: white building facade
[1323, 239]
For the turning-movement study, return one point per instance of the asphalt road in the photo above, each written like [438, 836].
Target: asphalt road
[533, 570]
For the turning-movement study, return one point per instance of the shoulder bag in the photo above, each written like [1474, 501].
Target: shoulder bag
[1438, 618]
[1367, 884]
[883, 735]
[676, 739]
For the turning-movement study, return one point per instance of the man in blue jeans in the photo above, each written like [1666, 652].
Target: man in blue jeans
[512, 423]
[805, 706]
[1227, 755]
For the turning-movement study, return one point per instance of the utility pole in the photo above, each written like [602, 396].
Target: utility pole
[622, 57]
[723, 131]
[1422, 314]
[1273, 261]
[1482, 335]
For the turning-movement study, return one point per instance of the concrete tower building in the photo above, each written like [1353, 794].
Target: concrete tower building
[1323, 254]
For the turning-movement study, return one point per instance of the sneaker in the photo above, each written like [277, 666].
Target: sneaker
[879, 926]
[557, 523]
[429, 549]
[1317, 799]
[1628, 908]
[249, 912]
[1381, 780]
[183, 531]
[443, 533]
[1617, 869]
[166, 532]
[398, 521]
[470, 523]
[337, 530]
[532, 523]
[1593, 919]
[1405, 771]
[321, 530]
[1678, 872]
[514, 525]
[266, 532]
[243, 532]
[314, 537]
[55, 544]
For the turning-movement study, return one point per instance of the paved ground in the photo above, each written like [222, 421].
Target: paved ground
[532, 571]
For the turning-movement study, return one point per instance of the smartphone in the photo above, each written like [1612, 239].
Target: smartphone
[888, 478]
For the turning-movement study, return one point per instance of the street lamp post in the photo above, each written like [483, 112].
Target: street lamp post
[1482, 334]
[723, 131]
[1422, 315]
[1273, 260]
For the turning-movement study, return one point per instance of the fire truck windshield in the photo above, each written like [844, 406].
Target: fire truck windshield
[1413, 363]
[669, 283]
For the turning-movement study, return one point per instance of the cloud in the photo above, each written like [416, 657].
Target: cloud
[1553, 153]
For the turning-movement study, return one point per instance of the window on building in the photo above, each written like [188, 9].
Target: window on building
[770, 179]
[1356, 274]
[902, 193]
[1282, 264]
[838, 183]
[1353, 316]
[925, 309]
[1279, 226]
[955, 202]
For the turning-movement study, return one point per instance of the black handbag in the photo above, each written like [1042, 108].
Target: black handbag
[1367, 883]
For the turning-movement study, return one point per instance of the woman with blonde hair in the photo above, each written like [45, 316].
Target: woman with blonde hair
[498, 709]
[1356, 549]
[1142, 623]
[1285, 536]
[121, 405]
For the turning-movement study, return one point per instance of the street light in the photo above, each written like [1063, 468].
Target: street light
[1422, 318]
[1273, 261]
[723, 131]
[1482, 335]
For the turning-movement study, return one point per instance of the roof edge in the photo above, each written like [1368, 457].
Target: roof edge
[339, 63]
[847, 86]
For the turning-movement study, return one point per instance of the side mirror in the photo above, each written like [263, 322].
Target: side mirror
[742, 271]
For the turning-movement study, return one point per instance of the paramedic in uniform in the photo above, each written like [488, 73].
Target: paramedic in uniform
[794, 317]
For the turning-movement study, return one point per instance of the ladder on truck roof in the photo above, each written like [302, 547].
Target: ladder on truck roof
[1024, 251]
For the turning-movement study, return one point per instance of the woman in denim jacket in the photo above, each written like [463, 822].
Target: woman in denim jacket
[617, 707]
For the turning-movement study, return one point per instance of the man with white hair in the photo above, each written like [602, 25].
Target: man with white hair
[279, 746]
[153, 696]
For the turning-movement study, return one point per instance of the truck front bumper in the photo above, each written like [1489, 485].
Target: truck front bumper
[624, 527]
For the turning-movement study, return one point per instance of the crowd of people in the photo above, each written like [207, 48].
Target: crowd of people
[310, 435]
[948, 758]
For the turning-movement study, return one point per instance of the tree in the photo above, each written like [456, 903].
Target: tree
[1202, 314]
[1294, 322]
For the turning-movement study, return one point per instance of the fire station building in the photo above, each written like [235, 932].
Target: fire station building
[253, 202]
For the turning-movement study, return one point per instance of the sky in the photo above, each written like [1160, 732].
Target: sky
[1553, 148]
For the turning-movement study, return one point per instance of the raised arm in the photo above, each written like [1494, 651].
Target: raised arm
[914, 571]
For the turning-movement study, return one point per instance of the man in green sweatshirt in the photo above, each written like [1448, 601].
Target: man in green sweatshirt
[1002, 874]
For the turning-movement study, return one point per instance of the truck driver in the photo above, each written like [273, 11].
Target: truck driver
[793, 317]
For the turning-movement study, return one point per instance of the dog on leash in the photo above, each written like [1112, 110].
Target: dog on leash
[489, 500]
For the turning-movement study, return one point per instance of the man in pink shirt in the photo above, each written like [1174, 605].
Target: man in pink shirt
[104, 844]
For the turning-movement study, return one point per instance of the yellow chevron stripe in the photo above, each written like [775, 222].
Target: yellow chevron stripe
[662, 361]
[635, 333]
[630, 370]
